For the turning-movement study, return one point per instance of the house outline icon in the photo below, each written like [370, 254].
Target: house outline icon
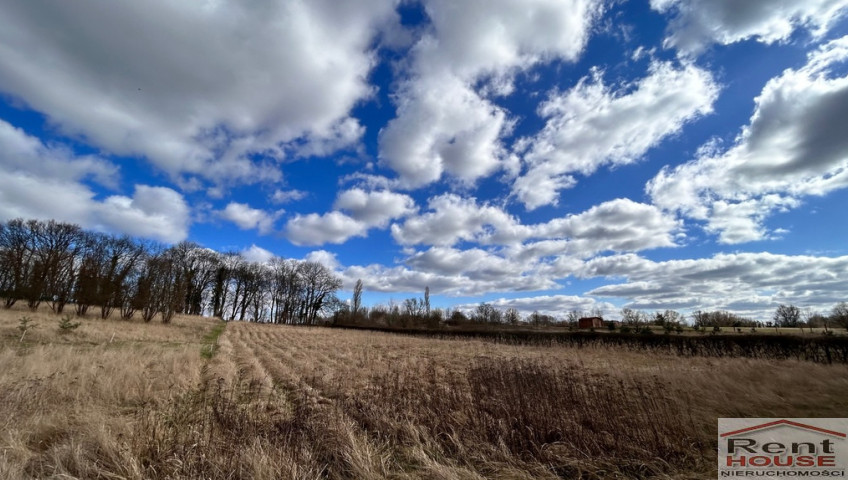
[784, 422]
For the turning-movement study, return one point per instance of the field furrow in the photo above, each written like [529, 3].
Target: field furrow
[309, 403]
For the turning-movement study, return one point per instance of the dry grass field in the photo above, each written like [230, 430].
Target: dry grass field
[118, 399]
[70, 401]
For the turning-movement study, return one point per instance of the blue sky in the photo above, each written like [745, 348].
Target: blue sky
[540, 154]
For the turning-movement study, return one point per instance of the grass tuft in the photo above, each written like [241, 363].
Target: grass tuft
[210, 341]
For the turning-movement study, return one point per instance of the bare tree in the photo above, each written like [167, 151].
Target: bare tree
[485, 313]
[152, 280]
[222, 278]
[512, 317]
[413, 309]
[286, 286]
[62, 263]
[839, 314]
[60, 247]
[633, 318]
[320, 285]
[171, 286]
[787, 316]
[198, 267]
[539, 319]
[16, 248]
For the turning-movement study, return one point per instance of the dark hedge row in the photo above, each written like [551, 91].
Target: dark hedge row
[818, 349]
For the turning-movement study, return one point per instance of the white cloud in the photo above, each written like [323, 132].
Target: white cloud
[794, 146]
[331, 227]
[399, 279]
[248, 218]
[493, 36]
[257, 254]
[285, 196]
[616, 225]
[473, 263]
[698, 23]
[444, 124]
[591, 125]
[152, 212]
[747, 283]
[341, 135]
[751, 284]
[555, 305]
[244, 80]
[47, 182]
[156, 212]
[376, 208]
[512, 259]
[328, 259]
[366, 210]
[25, 154]
[453, 218]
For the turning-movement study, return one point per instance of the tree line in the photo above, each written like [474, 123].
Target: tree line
[415, 313]
[62, 264]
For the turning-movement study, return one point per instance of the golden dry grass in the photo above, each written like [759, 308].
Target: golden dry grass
[370, 393]
[298, 402]
[69, 400]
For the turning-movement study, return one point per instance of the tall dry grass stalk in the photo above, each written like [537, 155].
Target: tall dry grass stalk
[69, 400]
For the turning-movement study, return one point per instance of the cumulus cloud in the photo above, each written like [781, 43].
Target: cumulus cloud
[328, 259]
[25, 154]
[376, 208]
[592, 125]
[474, 263]
[751, 284]
[512, 256]
[365, 210]
[793, 146]
[494, 36]
[331, 227]
[285, 196]
[48, 182]
[452, 218]
[381, 278]
[247, 80]
[444, 122]
[616, 225]
[698, 23]
[442, 126]
[248, 218]
[152, 212]
[554, 305]
[257, 254]
[748, 283]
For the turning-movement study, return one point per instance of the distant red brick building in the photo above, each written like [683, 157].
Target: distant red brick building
[590, 322]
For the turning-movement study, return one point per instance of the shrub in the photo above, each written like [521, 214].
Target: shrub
[66, 325]
[24, 325]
